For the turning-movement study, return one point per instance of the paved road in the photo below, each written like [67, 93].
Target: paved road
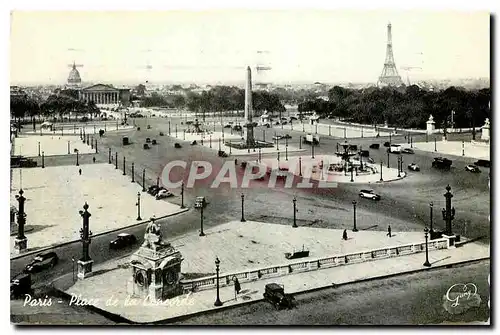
[403, 300]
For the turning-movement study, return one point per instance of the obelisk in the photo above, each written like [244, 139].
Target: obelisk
[250, 142]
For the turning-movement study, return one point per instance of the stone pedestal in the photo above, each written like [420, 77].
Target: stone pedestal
[156, 270]
[431, 125]
[84, 269]
[20, 245]
[485, 131]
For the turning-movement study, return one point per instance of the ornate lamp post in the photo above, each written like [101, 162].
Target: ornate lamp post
[355, 229]
[133, 172]
[426, 231]
[21, 242]
[449, 212]
[388, 153]
[176, 130]
[123, 165]
[300, 166]
[157, 182]
[217, 263]
[294, 212]
[85, 263]
[260, 155]
[431, 207]
[138, 204]
[109, 156]
[463, 148]
[312, 150]
[182, 194]
[435, 148]
[39, 149]
[219, 144]
[77, 163]
[286, 148]
[381, 179]
[210, 141]
[352, 171]
[143, 180]
[95, 146]
[243, 208]
[116, 160]
[43, 159]
[300, 142]
[399, 167]
[201, 219]
[361, 156]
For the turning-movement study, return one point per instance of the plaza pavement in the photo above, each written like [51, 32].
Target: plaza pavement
[312, 164]
[236, 244]
[50, 145]
[323, 129]
[478, 150]
[91, 128]
[56, 194]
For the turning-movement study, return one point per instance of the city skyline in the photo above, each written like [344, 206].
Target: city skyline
[216, 46]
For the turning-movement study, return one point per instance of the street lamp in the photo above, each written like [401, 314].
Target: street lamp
[427, 263]
[312, 150]
[352, 171]
[354, 229]
[399, 166]
[449, 212]
[300, 166]
[109, 156]
[73, 267]
[294, 212]
[39, 149]
[133, 172]
[217, 301]
[77, 163]
[116, 160]
[260, 155]
[143, 180]
[201, 218]
[43, 159]
[286, 148]
[21, 218]
[123, 165]
[463, 149]
[243, 207]
[381, 179]
[182, 194]
[85, 233]
[138, 204]
[388, 153]
[435, 149]
[169, 128]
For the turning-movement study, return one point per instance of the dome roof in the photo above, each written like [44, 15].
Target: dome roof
[74, 76]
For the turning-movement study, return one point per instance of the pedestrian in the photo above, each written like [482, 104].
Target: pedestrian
[93, 159]
[237, 286]
[389, 232]
[344, 235]
[80, 171]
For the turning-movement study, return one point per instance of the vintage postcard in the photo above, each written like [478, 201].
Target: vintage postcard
[250, 167]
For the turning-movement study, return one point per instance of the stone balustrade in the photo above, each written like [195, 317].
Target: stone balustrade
[311, 265]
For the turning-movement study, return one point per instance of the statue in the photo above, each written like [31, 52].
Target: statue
[153, 238]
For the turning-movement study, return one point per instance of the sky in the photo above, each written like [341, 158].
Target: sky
[216, 46]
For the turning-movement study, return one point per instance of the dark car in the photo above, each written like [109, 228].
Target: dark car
[375, 146]
[194, 142]
[364, 153]
[27, 163]
[237, 128]
[153, 190]
[148, 140]
[287, 136]
[42, 261]
[149, 127]
[161, 133]
[441, 163]
[153, 142]
[407, 151]
[387, 144]
[122, 240]
[483, 162]
[227, 126]
[138, 128]
[275, 294]
[20, 285]
[146, 146]
[177, 146]
[125, 141]
[222, 154]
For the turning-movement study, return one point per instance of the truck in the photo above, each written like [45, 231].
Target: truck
[395, 149]
[311, 139]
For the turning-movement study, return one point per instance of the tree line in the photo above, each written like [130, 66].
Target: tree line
[407, 107]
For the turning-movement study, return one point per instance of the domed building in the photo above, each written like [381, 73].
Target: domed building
[74, 79]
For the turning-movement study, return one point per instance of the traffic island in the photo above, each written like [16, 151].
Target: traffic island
[50, 145]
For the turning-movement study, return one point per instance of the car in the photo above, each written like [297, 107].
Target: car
[189, 122]
[125, 140]
[148, 140]
[387, 144]
[163, 193]
[194, 142]
[370, 160]
[277, 137]
[177, 146]
[413, 167]
[200, 202]
[284, 122]
[222, 154]
[441, 163]
[293, 118]
[138, 128]
[149, 127]
[394, 149]
[369, 194]
[287, 136]
[375, 146]
[153, 189]
[227, 126]
[20, 285]
[153, 142]
[275, 294]
[407, 151]
[161, 133]
[364, 153]
[122, 240]
[472, 168]
[483, 162]
[237, 128]
[42, 261]
[146, 146]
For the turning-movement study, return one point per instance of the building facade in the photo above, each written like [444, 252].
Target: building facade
[102, 94]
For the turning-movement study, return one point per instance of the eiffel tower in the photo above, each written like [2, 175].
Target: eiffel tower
[389, 76]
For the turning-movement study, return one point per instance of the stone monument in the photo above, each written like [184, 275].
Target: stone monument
[485, 130]
[431, 125]
[250, 140]
[156, 267]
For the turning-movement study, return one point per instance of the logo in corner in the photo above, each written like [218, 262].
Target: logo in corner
[461, 297]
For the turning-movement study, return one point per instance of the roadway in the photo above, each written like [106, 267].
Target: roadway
[415, 299]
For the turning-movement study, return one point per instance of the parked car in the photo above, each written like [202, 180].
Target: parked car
[364, 153]
[227, 126]
[153, 142]
[20, 285]
[370, 160]
[293, 118]
[441, 163]
[153, 189]
[146, 146]
[287, 136]
[387, 144]
[222, 154]
[275, 294]
[164, 193]
[369, 194]
[483, 163]
[277, 137]
[407, 151]
[413, 167]
[42, 261]
[237, 128]
[200, 202]
[194, 142]
[177, 146]
[375, 146]
[472, 168]
[139, 128]
[148, 140]
[122, 240]
[149, 127]
[161, 133]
